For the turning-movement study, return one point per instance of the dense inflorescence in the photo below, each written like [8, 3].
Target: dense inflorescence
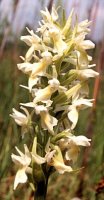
[58, 68]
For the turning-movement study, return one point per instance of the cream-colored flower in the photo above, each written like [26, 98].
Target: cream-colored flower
[49, 18]
[40, 68]
[23, 161]
[31, 39]
[57, 37]
[47, 121]
[82, 44]
[54, 158]
[23, 120]
[34, 42]
[36, 69]
[87, 73]
[74, 142]
[71, 144]
[73, 110]
[26, 67]
[83, 27]
[87, 44]
[80, 140]
[58, 162]
[44, 95]
[81, 60]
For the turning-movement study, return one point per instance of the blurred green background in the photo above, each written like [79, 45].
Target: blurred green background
[89, 183]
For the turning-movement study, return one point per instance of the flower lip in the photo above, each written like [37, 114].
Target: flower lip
[23, 160]
[54, 83]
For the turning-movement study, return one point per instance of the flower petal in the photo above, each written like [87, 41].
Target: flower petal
[73, 116]
[20, 177]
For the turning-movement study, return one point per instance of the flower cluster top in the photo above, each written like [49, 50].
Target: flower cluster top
[58, 68]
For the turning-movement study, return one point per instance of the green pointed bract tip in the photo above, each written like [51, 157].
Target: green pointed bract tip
[68, 24]
[70, 44]
[71, 78]
[73, 90]
[59, 136]
[34, 145]
[65, 96]
[63, 18]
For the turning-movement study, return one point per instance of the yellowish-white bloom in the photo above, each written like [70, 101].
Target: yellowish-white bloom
[57, 37]
[82, 44]
[44, 95]
[49, 18]
[87, 73]
[71, 143]
[80, 140]
[34, 42]
[39, 69]
[23, 120]
[87, 44]
[73, 110]
[83, 27]
[54, 33]
[47, 121]
[52, 158]
[74, 142]
[26, 67]
[58, 162]
[31, 39]
[23, 161]
[36, 69]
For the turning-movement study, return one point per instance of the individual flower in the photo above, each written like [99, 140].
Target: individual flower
[73, 110]
[87, 73]
[23, 120]
[81, 61]
[47, 121]
[31, 39]
[49, 18]
[58, 162]
[34, 42]
[36, 69]
[57, 38]
[71, 143]
[54, 158]
[45, 94]
[23, 161]
[83, 27]
[82, 44]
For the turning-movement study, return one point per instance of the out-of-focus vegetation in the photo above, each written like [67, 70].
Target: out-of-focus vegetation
[83, 184]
